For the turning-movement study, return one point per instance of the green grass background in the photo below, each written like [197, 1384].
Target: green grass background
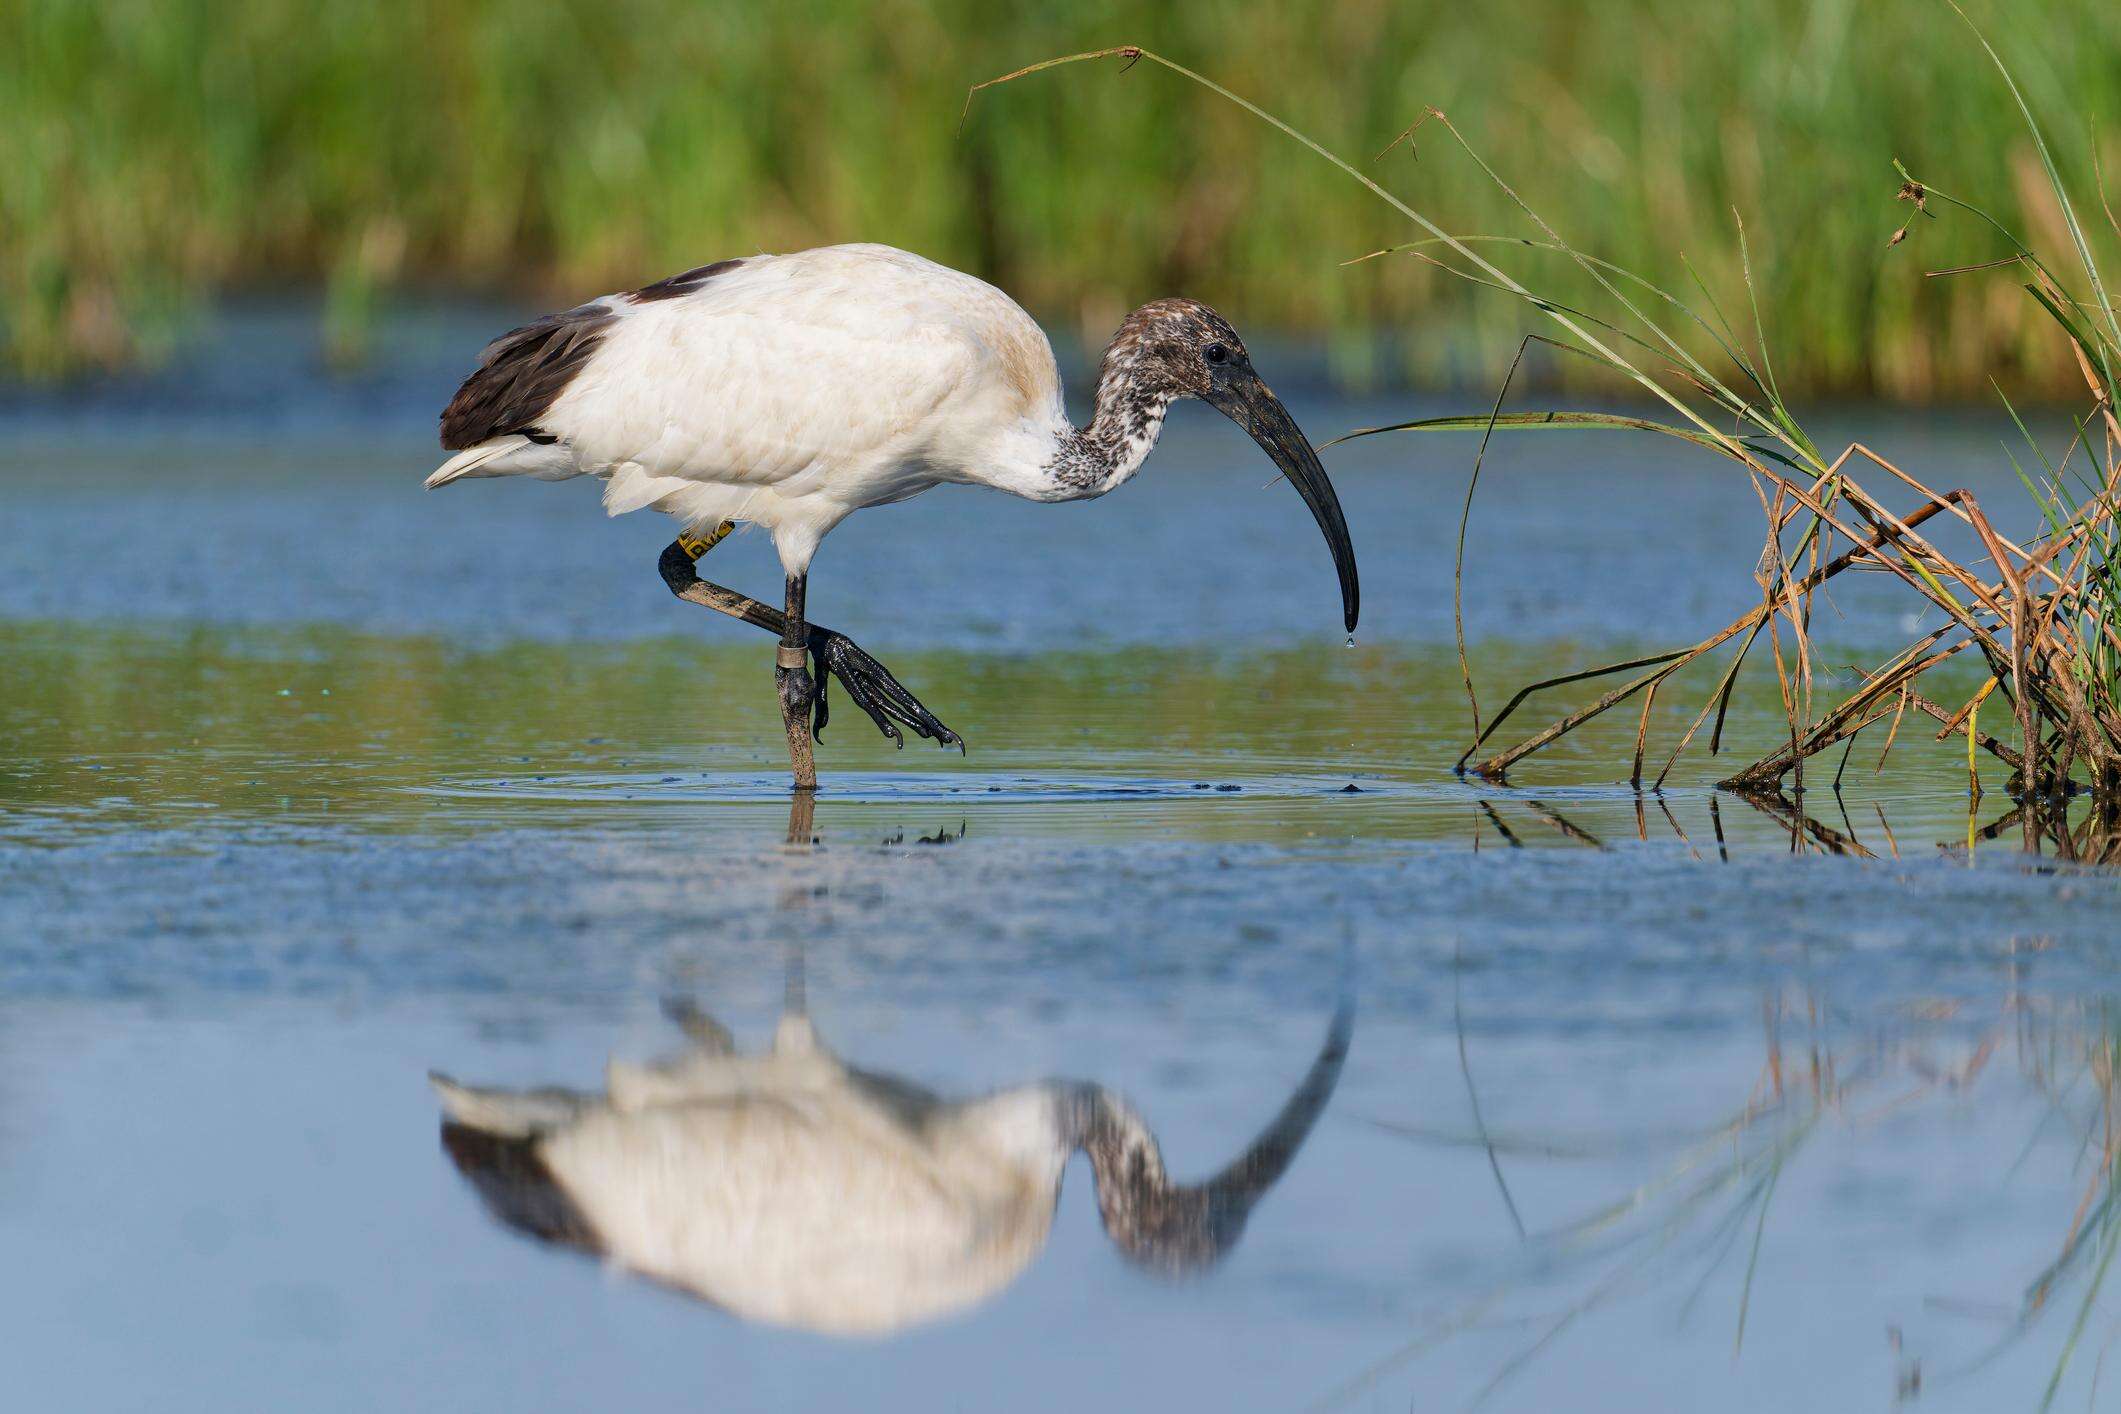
[160, 152]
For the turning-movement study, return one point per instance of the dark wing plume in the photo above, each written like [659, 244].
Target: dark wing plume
[520, 374]
[671, 287]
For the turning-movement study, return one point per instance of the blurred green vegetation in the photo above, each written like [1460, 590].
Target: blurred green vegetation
[160, 151]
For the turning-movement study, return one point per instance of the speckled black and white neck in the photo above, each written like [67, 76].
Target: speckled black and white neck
[1149, 365]
[1112, 447]
[1179, 1228]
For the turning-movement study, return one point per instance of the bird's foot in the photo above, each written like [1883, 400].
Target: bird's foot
[702, 1030]
[873, 689]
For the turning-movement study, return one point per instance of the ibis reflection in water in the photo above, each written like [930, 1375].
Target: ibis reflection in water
[789, 391]
[792, 1188]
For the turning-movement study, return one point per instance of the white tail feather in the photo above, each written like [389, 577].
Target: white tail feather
[507, 456]
[468, 462]
[512, 1114]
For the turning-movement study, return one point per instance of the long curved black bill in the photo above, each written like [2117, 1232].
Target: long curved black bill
[1246, 1180]
[1252, 405]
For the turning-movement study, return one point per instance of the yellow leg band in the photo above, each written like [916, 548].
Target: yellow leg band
[695, 544]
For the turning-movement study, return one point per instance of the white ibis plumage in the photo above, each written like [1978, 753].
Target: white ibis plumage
[789, 391]
[795, 1189]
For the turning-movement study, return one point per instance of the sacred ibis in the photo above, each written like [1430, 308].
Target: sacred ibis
[788, 391]
[794, 1189]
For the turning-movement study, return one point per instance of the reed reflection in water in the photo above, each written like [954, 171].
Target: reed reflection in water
[1690, 1233]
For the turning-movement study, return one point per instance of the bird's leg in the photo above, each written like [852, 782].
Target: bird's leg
[867, 681]
[802, 817]
[676, 567]
[791, 675]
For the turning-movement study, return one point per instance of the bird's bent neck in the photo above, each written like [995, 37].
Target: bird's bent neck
[1098, 456]
[1177, 1228]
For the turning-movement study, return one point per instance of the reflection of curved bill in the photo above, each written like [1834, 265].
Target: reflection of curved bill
[794, 1189]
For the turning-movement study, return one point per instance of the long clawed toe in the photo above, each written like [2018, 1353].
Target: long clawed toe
[873, 689]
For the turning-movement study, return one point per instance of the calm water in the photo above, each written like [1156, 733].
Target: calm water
[314, 784]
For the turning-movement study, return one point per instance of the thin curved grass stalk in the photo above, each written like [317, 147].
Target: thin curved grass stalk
[1790, 712]
[1973, 765]
[1458, 558]
[2084, 1311]
[1966, 712]
[1642, 739]
[1719, 700]
[1581, 675]
[1465, 1069]
[1560, 420]
[1752, 1261]
[1728, 346]
[1760, 341]
[1723, 694]
[1497, 766]
[1898, 713]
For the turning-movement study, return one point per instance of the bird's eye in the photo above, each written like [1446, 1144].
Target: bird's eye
[1217, 354]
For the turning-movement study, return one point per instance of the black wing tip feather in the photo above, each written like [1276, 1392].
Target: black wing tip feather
[527, 369]
[520, 375]
[512, 1178]
[682, 284]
